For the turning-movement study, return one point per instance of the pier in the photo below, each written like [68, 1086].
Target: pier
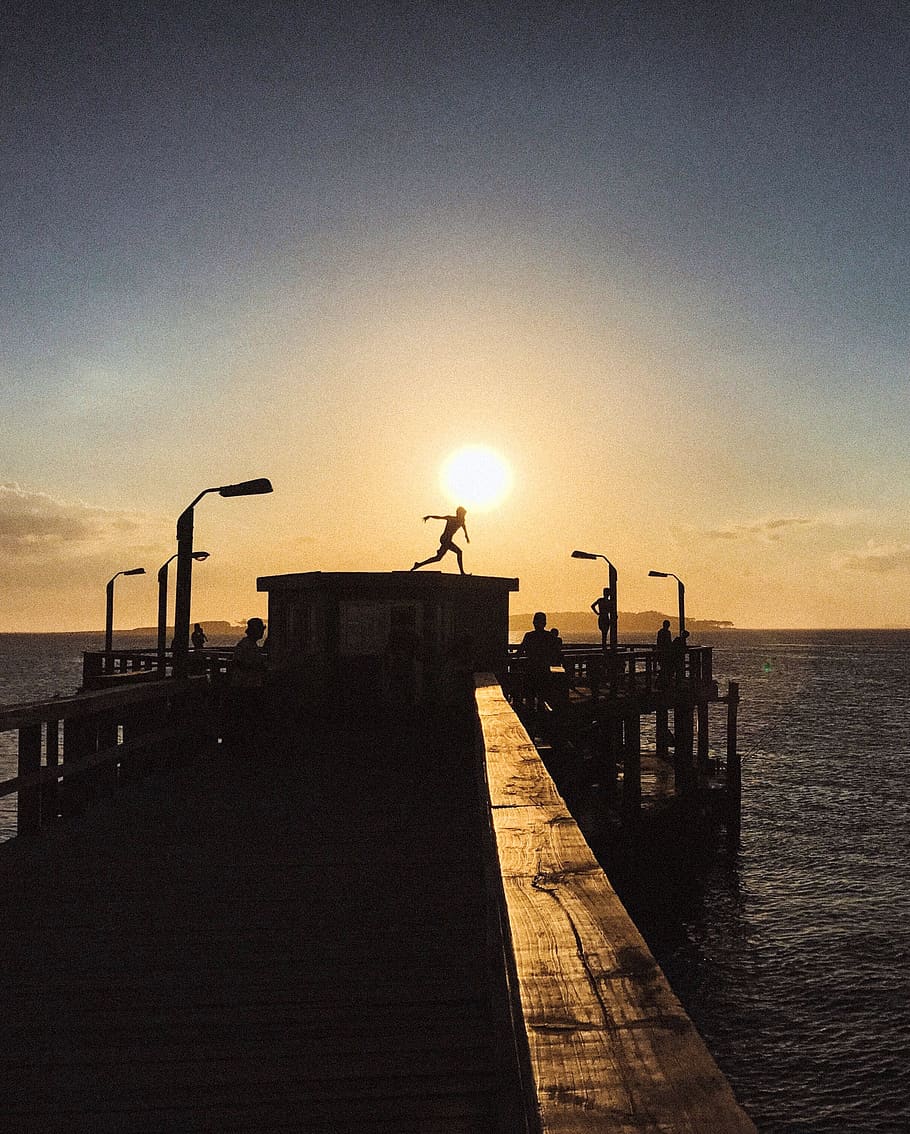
[597, 705]
[374, 922]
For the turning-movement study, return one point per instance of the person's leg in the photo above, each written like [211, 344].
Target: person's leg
[433, 558]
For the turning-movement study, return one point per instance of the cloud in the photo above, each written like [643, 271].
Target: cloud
[878, 559]
[34, 525]
[768, 530]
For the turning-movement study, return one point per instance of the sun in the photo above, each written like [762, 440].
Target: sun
[476, 477]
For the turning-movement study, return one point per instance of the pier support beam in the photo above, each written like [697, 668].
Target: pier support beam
[682, 753]
[662, 733]
[702, 749]
[734, 764]
[631, 778]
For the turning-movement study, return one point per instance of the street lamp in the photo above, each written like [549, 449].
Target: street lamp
[199, 556]
[609, 597]
[681, 589]
[109, 619]
[185, 565]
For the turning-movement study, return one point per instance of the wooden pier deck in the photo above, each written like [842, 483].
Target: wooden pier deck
[381, 930]
[290, 941]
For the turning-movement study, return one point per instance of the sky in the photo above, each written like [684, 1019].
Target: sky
[653, 255]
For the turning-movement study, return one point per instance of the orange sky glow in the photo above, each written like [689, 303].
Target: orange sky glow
[659, 274]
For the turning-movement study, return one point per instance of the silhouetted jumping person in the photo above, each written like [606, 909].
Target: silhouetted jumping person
[453, 523]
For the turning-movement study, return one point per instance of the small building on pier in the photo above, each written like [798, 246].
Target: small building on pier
[397, 634]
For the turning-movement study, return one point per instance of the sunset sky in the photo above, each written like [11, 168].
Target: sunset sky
[655, 258]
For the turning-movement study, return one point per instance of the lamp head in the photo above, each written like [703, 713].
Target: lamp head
[200, 555]
[659, 574]
[134, 571]
[247, 488]
[585, 555]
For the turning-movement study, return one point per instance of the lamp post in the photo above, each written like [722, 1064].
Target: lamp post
[199, 556]
[109, 617]
[609, 596]
[681, 591]
[185, 565]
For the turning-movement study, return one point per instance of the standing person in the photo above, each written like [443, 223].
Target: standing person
[664, 647]
[246, 677]
[678, 655]
[601, 608]
[453, 523]
[198, 637]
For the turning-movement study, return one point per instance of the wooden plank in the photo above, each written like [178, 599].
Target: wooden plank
[611, 1047]
[515, 775]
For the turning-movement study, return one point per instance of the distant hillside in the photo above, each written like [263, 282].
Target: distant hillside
[643, 622]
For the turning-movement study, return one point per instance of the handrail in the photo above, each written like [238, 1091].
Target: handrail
[608, 1043]
[629, 671]
[105, 740]
[106, 664]
[92, 701]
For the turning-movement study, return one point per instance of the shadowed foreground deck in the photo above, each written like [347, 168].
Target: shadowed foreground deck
[291, 942]
[375, 931]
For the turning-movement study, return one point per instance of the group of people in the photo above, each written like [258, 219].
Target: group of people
[543, 650]
[671, 652]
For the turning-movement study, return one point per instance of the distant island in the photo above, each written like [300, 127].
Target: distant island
[211, 628]
[643, 622]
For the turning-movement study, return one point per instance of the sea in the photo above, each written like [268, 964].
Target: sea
[790, 952]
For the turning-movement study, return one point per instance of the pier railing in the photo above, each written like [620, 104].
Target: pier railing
[632, 670]
[73, 749]
[102, 669]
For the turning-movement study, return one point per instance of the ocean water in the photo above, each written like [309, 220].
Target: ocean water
[792, 956]
[790, 953]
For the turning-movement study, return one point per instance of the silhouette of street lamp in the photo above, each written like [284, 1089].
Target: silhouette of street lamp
[185, 565]
[109, 618]
[199, 556]
[609, 597]
[681, 590]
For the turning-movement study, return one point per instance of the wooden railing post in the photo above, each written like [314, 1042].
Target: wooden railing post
[78, 741]
[29, 810]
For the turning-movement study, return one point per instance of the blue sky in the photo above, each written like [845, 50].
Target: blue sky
[655, 255]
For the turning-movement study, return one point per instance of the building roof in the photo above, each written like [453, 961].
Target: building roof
[411, 584]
